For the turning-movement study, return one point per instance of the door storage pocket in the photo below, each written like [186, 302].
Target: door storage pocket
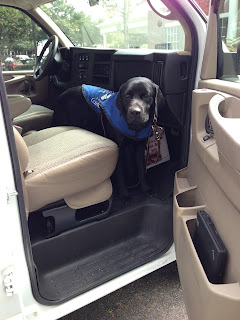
[185, 205]
[182, 182]
[205, 301]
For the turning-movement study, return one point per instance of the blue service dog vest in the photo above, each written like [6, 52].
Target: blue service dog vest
[103, 100]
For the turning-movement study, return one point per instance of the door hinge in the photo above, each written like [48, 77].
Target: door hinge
[8, 282]
[11, 194]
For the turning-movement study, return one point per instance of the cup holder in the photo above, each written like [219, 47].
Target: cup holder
[182, 181]
[190, 198]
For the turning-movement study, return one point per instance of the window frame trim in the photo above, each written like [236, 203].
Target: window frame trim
[199, 10]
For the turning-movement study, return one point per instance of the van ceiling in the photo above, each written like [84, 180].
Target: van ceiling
[24, 4]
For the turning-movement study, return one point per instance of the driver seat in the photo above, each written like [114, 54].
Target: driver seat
[28, 116]
[35, 118]
[65, 163]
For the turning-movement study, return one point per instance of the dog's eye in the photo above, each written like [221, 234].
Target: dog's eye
[146, 95]
[127, 96]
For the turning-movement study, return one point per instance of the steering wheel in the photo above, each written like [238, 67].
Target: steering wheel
[43, 64]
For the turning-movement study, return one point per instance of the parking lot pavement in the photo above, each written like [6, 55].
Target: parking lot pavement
[157, 296]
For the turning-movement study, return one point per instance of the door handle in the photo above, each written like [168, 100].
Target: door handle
[224, 113]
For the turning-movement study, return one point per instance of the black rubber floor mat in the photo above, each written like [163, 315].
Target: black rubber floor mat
[83, 258]
[85, 276]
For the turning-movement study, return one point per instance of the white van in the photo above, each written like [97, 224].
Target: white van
[67, 237]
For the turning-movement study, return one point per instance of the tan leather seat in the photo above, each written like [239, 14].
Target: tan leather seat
[66, 162]
[35, 118]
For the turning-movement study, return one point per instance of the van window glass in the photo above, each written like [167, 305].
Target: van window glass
[229, 40]
[116, 24]
[21, 39]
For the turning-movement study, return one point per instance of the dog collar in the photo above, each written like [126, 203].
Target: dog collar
[104, 101]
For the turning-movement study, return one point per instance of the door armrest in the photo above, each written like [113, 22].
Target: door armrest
[18, 104]
[224, 113]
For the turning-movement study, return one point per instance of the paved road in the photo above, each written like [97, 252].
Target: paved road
[157, 296]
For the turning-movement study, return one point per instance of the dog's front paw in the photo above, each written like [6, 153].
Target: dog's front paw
[123, 193]
[145, 187]
[150, 194]
[125, 197]
[148, 191]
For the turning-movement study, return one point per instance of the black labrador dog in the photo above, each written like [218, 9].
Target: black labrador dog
[135, 105]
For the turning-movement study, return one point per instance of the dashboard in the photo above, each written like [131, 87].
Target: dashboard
[111, 68]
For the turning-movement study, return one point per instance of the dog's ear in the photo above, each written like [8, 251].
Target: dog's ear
[119, 100]
[119, 103]
[159, 101]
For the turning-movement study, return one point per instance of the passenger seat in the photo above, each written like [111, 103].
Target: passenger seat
[65, 163]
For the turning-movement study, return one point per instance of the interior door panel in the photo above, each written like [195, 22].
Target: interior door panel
[210, 182]
[14, 82]
[24, 84]
[13, 79]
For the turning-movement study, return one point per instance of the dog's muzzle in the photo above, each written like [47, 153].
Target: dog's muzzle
[137, 115]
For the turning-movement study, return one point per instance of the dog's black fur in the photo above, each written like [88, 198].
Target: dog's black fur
[138, 100]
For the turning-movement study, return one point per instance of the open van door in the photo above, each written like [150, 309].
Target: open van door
[211, 181]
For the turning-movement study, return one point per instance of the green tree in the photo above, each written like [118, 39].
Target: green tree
[16, 33]
[81, 30]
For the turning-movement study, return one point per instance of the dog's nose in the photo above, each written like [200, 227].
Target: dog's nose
[135, 111]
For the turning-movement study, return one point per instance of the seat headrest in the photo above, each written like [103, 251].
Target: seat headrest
[22, 150]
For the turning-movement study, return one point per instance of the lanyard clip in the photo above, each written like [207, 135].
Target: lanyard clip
[155, 128]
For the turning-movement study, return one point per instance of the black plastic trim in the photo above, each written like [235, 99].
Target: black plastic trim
[191, 84]
[219, 50]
